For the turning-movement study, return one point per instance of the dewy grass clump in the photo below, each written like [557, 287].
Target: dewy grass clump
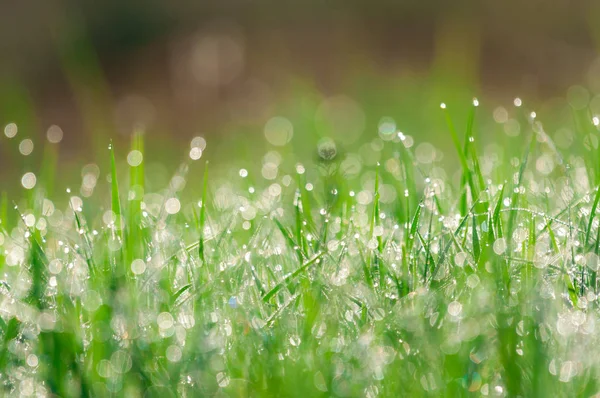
[366, 273]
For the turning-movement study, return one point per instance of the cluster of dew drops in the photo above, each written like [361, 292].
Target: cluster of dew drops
[260, 202]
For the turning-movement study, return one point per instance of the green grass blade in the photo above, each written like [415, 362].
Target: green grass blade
[475, 236]
[461, 154]
[202, 218]
[497, 230]
[114, 190]
[592, 215]
[292, 276]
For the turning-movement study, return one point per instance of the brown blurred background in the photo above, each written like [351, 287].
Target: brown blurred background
[179, 67]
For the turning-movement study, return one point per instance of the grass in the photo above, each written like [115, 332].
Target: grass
[335, 275]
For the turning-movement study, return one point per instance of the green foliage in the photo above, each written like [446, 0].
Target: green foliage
[369, 271]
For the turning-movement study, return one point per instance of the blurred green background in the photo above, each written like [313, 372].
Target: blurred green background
[221, 69]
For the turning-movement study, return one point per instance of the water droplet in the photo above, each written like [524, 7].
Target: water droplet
[172, 206]
[195, 153]
[295, 340]
[500, 246]
[164, 320]
[32, 360]
[10, 130]
[174, 353]
[326, 149]
[54, 134]
[28, 180]
[26, 147]
[222, 379]
[138, 266]
[454, 308]
[198, 142]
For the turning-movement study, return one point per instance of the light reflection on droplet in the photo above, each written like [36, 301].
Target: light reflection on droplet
[28, 180]
[26, 147]
[135, 158]
[54, 134]
[138, 266]
[174, 353]
[10, 130]
[198, 142]
[195, 153]
[172, 206]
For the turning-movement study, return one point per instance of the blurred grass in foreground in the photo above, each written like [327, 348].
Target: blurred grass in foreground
[321, 261]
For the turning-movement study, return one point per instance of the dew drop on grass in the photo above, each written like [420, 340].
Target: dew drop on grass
[295, 340]
[91, 300]
[55, 266]
[499, 246]
[232, 302]
[243, 173]
[195, 153]
[460, 258]
[54, 134]
[28, 180]
[198, 142]
[164, 320]
[454, 308]
[29, 220]
[520, 235]
[172, 206]
[138, 266]
[269, 171]
[472, 281]
[76, 203]
[326, 149]
[222, 379]
[26, 147]
[10, 130]
[114, 244]
[32, 360]
[174, 353]
[135, 158]
[568, 370]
